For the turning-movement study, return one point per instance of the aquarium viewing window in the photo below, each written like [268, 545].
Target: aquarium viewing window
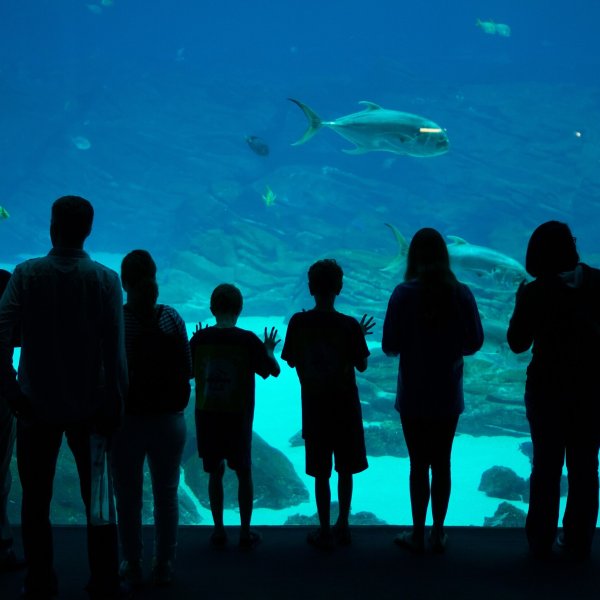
[174, 120]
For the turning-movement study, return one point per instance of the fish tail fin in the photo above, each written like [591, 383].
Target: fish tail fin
[314, 122]
[396, 263]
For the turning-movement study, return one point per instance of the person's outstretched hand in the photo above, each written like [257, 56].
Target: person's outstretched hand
[366, 324]
[199, 327]
[271, 339]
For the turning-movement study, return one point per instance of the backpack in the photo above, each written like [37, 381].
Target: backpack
[158, 377]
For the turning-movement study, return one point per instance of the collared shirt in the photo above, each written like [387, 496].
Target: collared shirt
[68, 311]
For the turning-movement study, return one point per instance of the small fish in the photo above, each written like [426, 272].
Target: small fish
[257, 145]
[4, 214]
[269, 197]
[81, 143]
[492, 28]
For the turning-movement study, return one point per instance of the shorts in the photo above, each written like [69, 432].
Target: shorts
[349, 452]
[223, 437]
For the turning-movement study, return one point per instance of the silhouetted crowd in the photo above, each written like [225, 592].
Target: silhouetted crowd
[113, 378]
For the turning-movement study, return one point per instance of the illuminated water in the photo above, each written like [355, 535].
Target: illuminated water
[144, 107]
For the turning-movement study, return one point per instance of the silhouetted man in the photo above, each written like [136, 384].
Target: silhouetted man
[72, 379]
[8, 559]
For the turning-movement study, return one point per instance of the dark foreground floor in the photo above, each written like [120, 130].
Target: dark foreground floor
[486, 564]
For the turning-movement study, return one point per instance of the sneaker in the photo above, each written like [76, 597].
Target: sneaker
[342, 535]
[320, 539]
[437, 540]
[577, 552]
[130, 572]
[123, 592]
[10, 562]
[162, 572]
[251, 540]
[407, 540]
[218, 539]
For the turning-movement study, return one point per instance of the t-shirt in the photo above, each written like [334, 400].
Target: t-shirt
[430, 371]
[560, 316]
[325, 347]
[159, 362]
[225, 360]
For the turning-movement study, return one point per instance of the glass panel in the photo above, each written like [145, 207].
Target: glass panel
[173, 119]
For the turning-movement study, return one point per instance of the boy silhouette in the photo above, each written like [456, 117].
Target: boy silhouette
[225, 359]
[325, 346]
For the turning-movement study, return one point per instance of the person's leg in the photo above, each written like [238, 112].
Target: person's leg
[442, 437]
[215, 496]
[323, 499]
[544, 499]
[7, 442]
[128, 452]
[103, 542]
[416, 436]
[165, 443]
[581, 512]
[319, 463]
[345, 484]
[37, 452]
[245, 500]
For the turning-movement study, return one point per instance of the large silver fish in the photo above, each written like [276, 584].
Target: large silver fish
[380, 129]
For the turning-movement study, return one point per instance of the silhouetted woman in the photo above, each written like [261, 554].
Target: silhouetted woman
[559, 314]
[159, 365]
[431, 322]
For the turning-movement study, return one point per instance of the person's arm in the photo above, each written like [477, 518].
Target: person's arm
[185, 344]
[360, 343]
[390, 341]
[520, 330]
[114, 358]
[473, 330]
[270, 342]
[287, 352]
[10, 319]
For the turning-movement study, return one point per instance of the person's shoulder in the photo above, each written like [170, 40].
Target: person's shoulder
[244, 335]
[464, 290]
[30, 264]
[172, 312]
[344, 319]
[590, 272]
[104, 272]
[298, 316]
[406, 288]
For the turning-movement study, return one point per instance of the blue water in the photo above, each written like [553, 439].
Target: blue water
[143, 107]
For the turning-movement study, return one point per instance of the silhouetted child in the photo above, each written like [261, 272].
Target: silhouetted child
[225, 359]
[325, 347]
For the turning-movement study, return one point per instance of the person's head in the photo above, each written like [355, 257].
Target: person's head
[138, 276]
[427, 254]
[551, 250]
[325, 278]
[226, 301]
[4, 277]
[71, 221]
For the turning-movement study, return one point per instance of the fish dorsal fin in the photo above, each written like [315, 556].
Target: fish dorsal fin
[370, 105]
[456, 240]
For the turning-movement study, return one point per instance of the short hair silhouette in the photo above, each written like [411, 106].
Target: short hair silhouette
[325, 277]
[551, 250]
[71, 219]
[427, 254]
[226, 299]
